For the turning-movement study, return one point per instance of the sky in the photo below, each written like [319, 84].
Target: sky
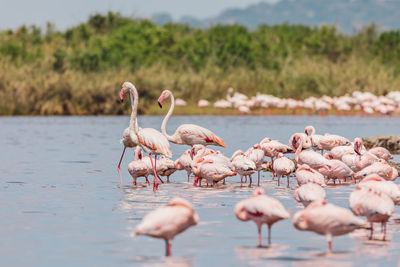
[66, 13]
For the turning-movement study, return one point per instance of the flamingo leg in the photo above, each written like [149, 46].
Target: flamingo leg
[383, 229]
[269, 235]
[155, 183]
[259, 237]
[352, 178]
[119, 165]
[272, 166]
[251, 180]
[223, 182]
[188, 177]
[279, 180]
[258, 182]
[155, 167]
[168, 247]
[372, 231]
[134, 182]
[147, 180]
[168, 179]
[288, 180]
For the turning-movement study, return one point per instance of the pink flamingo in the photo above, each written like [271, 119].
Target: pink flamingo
[311, 158]
[309, 192]
[187, 134]
[381, 153]
[184, 162]
[272, 148]
[243, 165]
[310, 131]
[168, 221]
[381, 168]
[364, 159]
[373, 204]
[305, 174]
[151, 140]
[326, 219]
[378, 183]
[283, 166]
[128, 139]
[329, 141]
[336, 170]
[339, 151]
[261, 209]
[211, 170]
[298, 138]
[256, 154]
[167, 167]
[138, 167]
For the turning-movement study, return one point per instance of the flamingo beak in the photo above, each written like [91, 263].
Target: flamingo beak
[121, 94]
[161, 100]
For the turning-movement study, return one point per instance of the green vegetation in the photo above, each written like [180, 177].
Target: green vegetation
[80, 71]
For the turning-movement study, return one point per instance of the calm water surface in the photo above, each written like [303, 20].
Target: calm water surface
[61, 204]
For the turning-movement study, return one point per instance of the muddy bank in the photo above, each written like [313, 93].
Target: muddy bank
[390, 142]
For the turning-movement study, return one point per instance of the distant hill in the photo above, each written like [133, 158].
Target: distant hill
[349, 15]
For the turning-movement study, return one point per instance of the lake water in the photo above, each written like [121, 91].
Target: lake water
[61, 204]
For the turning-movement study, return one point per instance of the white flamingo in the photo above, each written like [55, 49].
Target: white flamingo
[151, 140]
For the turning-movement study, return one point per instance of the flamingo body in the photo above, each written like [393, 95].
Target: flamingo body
[309, 192]
[261, 209]
[168, 221]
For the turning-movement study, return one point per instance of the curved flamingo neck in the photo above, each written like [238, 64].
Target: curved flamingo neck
[312, 131]
[298, 150]
[165, 121]
[133, 125]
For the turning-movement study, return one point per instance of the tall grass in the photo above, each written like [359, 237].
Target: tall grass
[80, 71]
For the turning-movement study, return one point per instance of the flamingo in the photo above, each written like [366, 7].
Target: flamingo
[329, 141]
[256, 154]
[339, 151]
[364, 159]
[311, 158]
[309, 192]
[184, 162]
[283, 166]
[298, 138]
[381, 168]
[326, 219]
[388, 187]
[336, 170]
[128, 139]
[211, 170]
[167, 167]
[272, 148]
[168, 221]
[381, 153]
[261, 209]
[373, 204]
[243, 165]
[310, 131]
[305, 174]
[187, 134]
[138, 167]
[150, 140]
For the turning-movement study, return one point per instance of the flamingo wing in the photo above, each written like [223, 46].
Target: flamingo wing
[193, 134]
[152, 141]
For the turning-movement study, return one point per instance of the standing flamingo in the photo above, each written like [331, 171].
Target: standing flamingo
[151, 140]
[283, 166]
[213, 170]
[243, 165]
[272, 148]
[261, 209]
[305, 174]
[187, 134]
[184, 162]
[388, 187]
[256, 154]
[168, 221]
[373, 204]
[138, 167]
[128, 139]
[326, 219]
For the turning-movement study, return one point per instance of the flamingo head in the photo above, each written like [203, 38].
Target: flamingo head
[328, 156]
[165, 94]
[295, 141]
[358, 145]
[258, 191]
[138, 153]
[308, 130]
[299, 221]
[126, 86]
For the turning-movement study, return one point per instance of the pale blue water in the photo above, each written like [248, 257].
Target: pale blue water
[61, 204]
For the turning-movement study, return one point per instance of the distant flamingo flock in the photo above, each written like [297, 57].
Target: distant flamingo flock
[363, 103]
[339, 161]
